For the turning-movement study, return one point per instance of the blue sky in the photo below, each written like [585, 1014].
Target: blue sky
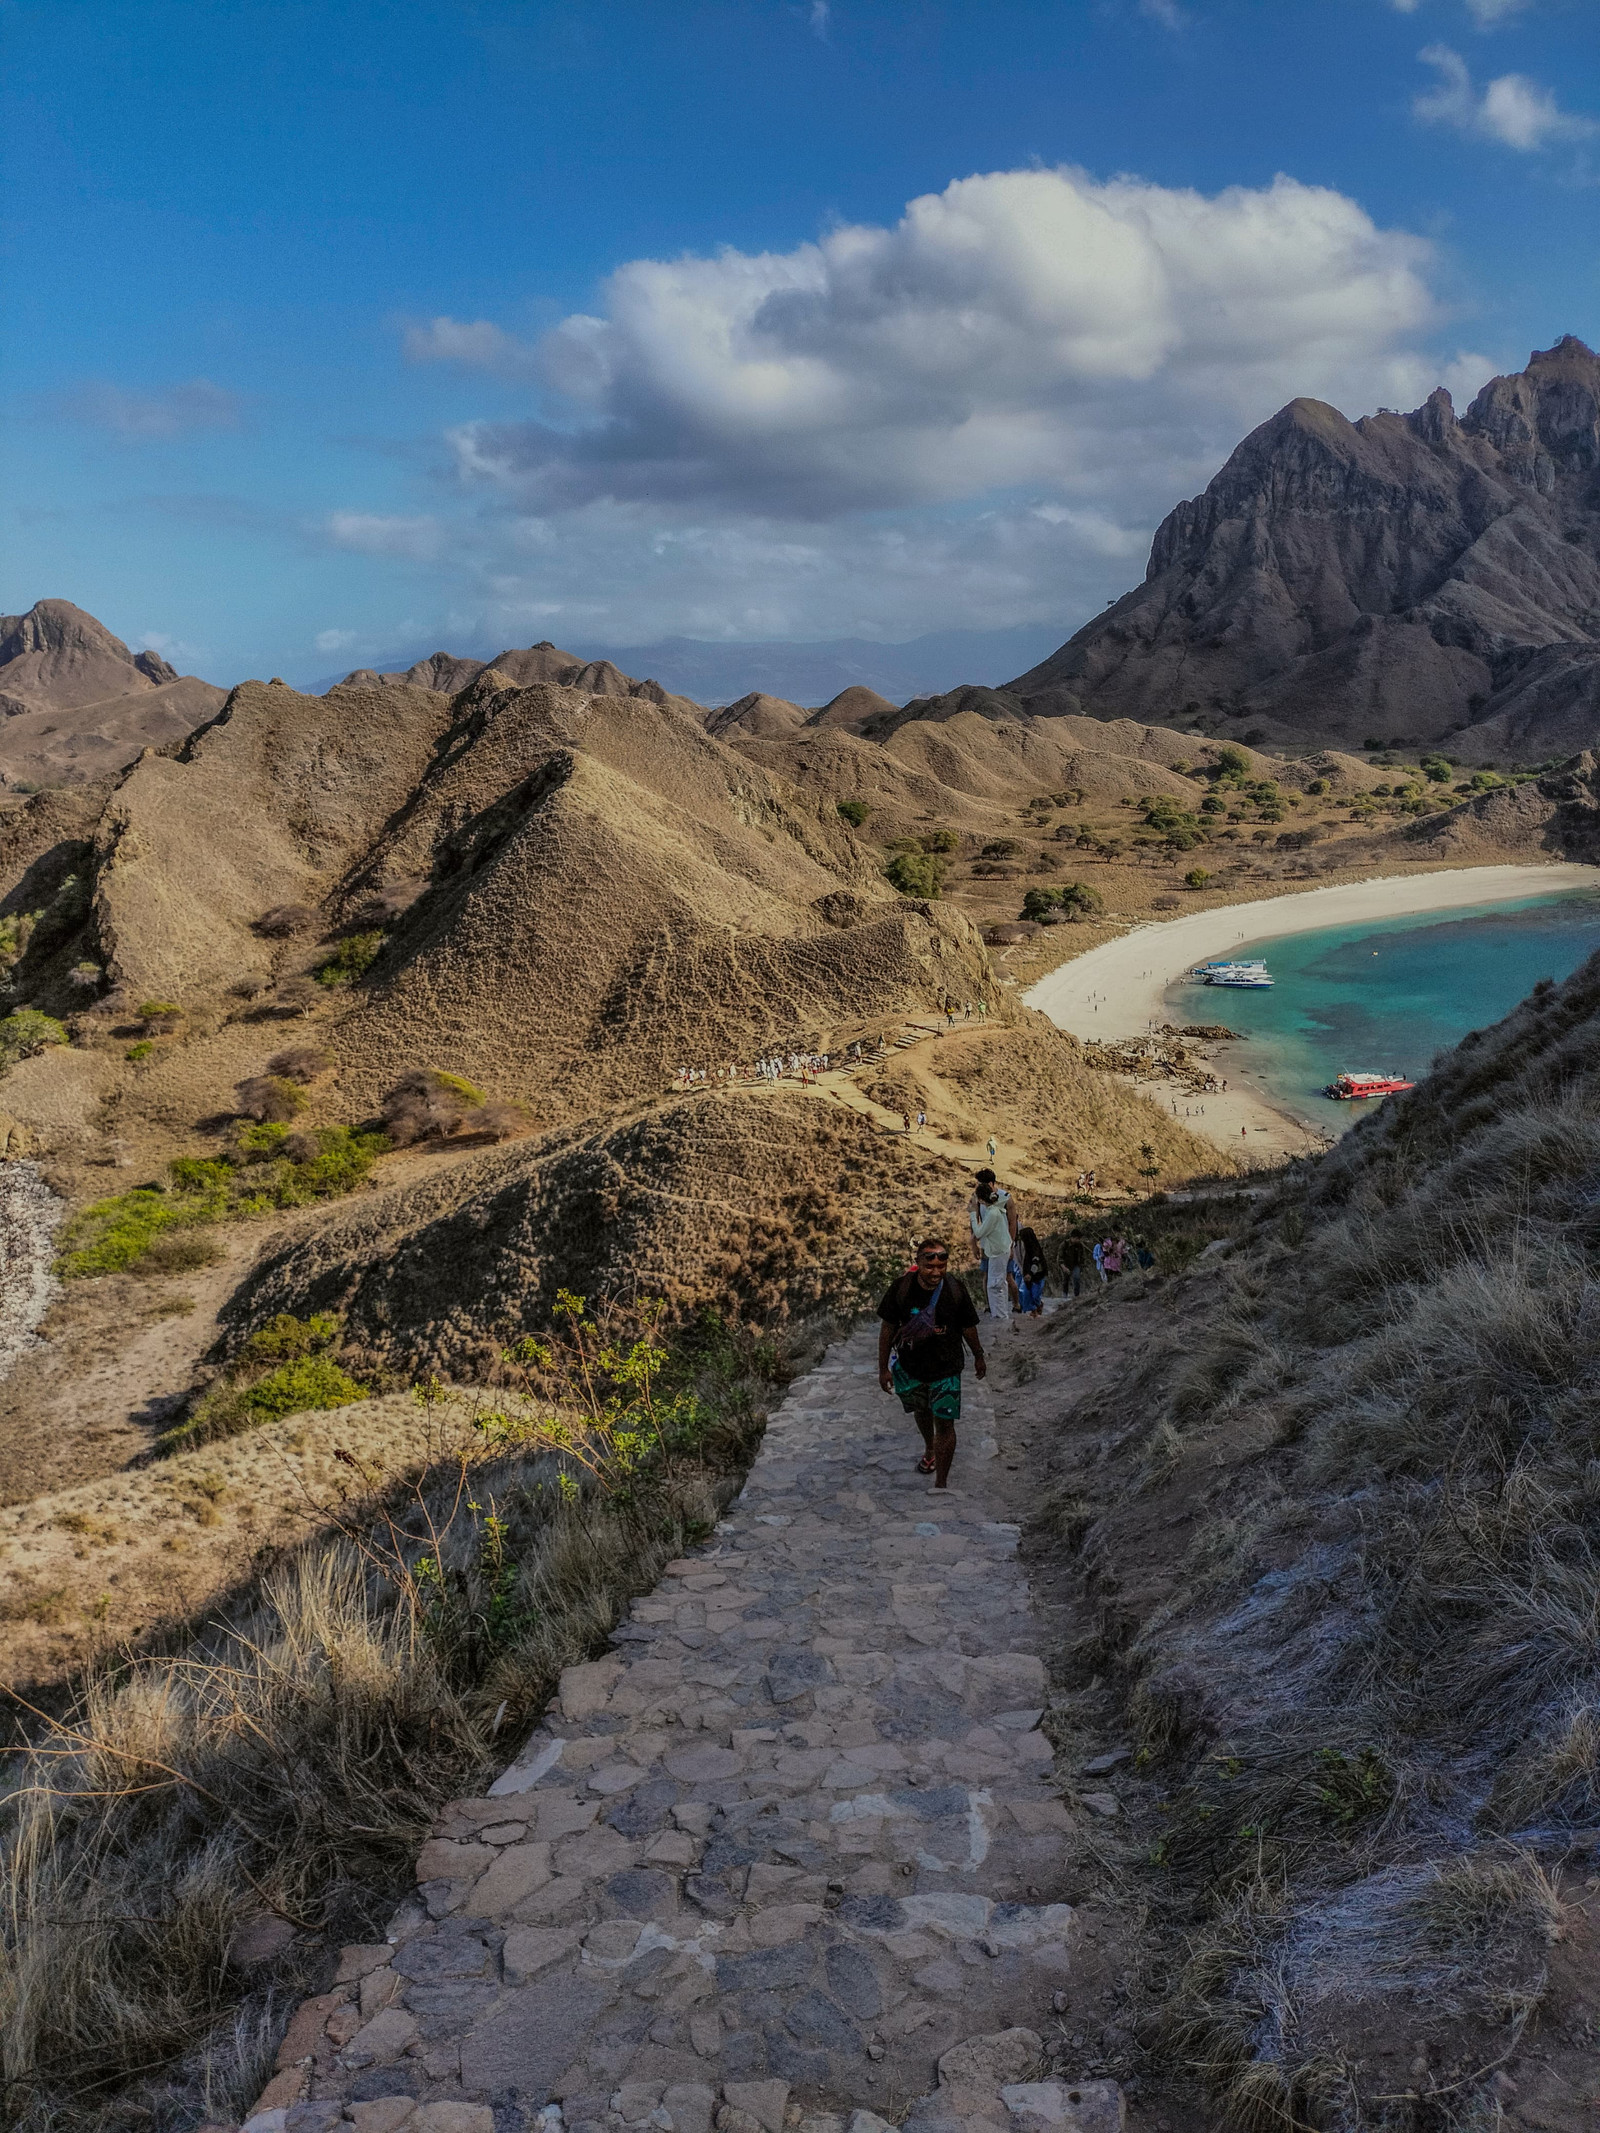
[333, 331]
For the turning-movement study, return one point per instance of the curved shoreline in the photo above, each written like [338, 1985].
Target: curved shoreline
[1119, 988]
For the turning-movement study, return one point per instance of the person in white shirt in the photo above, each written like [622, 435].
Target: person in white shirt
[990, 1217]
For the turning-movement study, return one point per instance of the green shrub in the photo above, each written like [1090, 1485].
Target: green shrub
[279, 1169]
[1196, 878]
[1001, 848]
[917, 874]
[855, 812]
[159, 1011]
[15, 933]
[352, 959]
[1437, 769]
[1075, 898]
[302, 1385]
[941, 840]
[26, 1031]
[1234, 759]
[111, 1235]
[285, 1339]
[139, 1051]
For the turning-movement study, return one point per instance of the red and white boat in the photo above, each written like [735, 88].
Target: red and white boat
[1355, 1088]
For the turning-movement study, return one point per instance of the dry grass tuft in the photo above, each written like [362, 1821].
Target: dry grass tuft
[289, 1756]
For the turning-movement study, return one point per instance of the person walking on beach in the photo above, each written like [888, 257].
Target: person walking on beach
[925, 1317]
[991, 1227]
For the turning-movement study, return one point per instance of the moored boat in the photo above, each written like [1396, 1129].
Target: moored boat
[1356, 1088]
[1251, 976]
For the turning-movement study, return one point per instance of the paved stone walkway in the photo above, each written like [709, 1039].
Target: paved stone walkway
[784, 1857]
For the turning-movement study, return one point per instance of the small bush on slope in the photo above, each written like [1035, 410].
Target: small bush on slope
[292, 1755]
[271, 1168]
[1404, 1596]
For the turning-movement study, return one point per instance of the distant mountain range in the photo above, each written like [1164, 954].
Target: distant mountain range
[1418, 577]
[1416, 580]
[716, 674]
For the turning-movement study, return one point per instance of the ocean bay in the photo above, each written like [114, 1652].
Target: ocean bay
[1385, 995]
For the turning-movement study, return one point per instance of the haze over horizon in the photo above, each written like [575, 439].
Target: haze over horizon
[742, 324]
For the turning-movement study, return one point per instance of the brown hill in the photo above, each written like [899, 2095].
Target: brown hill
[77, 704]
[854, 707]
[538, 662]
[756, 717]
[1405, 576]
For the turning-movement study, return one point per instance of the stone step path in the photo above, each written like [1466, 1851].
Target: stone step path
[787, 1856]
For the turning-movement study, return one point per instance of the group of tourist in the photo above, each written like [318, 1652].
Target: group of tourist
[778, 1066]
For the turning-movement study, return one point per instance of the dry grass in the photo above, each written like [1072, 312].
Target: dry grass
[287, 1757]
[1377, 1683]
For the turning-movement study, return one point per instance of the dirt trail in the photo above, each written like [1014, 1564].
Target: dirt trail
[792, 1853]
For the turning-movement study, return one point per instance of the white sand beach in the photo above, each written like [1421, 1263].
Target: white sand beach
[1119, 988]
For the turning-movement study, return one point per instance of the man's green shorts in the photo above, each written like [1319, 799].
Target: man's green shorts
[938, 1397]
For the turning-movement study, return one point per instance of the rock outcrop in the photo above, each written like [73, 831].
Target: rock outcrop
[1416, 577]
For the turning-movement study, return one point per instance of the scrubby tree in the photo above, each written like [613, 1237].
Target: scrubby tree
[855, 812]
[270, 1099]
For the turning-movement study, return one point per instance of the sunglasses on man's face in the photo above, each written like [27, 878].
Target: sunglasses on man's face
[934, 1258]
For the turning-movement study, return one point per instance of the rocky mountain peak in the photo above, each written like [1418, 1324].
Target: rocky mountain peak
[1420, 577]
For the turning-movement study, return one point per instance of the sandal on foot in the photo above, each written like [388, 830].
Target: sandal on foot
[924, 1466]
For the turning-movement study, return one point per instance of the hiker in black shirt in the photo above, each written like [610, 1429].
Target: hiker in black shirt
[926, 1315]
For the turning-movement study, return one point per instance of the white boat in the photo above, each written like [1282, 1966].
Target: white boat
[1250, 974]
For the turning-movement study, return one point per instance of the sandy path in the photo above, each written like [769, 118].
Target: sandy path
[1119, 988]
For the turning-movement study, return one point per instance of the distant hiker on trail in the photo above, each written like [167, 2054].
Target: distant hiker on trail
[1143, 1253]
[1033, 1268]
[1100, 1260]
[905, 1122]
[1073, 1256]
[991, 1148]
[991, 1221]
[922, 1120]
[926, 1315]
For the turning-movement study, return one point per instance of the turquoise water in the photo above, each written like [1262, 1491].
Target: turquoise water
[1386, 996]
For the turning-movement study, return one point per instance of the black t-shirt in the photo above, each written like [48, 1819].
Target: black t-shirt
[938, 1354]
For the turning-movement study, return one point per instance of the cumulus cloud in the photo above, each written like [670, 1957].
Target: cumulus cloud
[335, 640]
[1166, 12]
[1516, 112]
[972, 418]
[820, 14]
[1021, 327]
[370, 533]
[141, 417]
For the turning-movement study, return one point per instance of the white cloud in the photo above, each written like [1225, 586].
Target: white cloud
[336, 640]
[1488, 13]
[476, 344]
[139, 418]
[972, 418]
[1512, 110]
[175, 650]
[1166, 12]
[1023, 327]
[820, 15]
[369, 533]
